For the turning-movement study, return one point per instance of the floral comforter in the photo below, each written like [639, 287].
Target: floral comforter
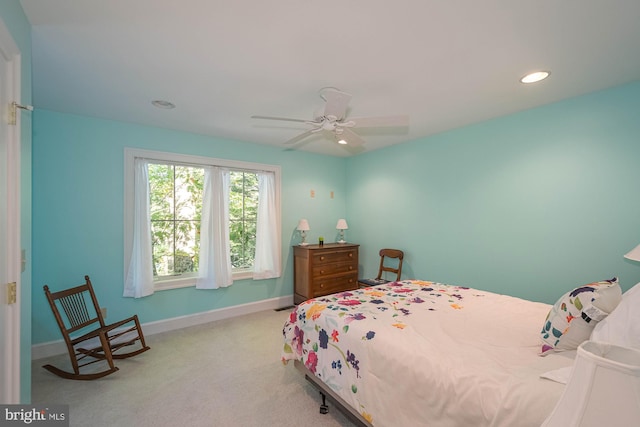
[414, 353]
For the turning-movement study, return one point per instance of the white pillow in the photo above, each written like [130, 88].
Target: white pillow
[573, 317]
[622, 326]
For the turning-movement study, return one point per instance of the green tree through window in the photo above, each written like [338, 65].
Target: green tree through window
[243, 216]
[176, 210]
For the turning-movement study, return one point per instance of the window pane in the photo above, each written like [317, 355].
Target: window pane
[188, 192]
[176, 208]
[242, 241]
[243, 212]
[162, 245]
[235, 242]
[187, 247]
[251, 196]
[161, 182]
[250, 243]
[235, 197]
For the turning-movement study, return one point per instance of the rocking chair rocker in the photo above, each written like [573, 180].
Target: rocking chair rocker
[83, 325]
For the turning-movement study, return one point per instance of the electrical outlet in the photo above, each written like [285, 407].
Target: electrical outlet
[103, 310]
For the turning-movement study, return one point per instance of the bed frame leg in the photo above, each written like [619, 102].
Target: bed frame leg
[324, 409]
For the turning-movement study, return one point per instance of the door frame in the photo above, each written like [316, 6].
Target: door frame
[10, 314]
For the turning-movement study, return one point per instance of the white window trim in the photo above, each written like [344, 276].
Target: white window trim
[130, 154]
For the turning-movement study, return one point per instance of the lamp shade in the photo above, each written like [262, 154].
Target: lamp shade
[342, 224]
[303, 225]
[634, 254]
[603, 390]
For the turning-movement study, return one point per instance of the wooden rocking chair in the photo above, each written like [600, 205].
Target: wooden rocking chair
[83, 325]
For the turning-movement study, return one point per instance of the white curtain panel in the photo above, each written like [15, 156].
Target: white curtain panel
[268, 254]
[215, 256]
[139, 278]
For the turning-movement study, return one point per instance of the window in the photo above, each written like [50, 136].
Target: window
[175, 194]
[175, 207]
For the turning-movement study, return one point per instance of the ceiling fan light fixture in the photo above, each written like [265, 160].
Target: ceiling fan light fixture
[333, 121]
[535, 77]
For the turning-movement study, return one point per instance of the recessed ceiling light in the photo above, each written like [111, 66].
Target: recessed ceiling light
[535, 77]
[163, 104]
[342, 141]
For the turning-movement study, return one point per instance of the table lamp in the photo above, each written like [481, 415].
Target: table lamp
[342, 225]
[633, 254]
[303, 227]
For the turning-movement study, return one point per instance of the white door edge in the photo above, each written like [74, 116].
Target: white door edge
[10, 313]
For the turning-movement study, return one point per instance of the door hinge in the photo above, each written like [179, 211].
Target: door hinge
[13, 111]
[12, 293]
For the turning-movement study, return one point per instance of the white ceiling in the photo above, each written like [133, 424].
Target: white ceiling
[445, 63]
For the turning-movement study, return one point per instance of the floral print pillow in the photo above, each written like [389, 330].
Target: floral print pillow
[573, 317]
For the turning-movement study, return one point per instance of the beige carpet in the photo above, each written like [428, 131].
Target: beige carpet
[225, 373]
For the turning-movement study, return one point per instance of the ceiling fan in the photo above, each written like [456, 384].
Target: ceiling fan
[333, 121]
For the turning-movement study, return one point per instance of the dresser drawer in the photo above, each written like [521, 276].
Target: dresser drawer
[328, 257]
[335, 268]
[330, 285]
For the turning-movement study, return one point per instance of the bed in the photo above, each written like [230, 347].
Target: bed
[413, 353]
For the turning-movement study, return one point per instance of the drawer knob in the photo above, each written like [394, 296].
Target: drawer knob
[322, 285]
[321, 258]
[350, 255]
[350, 267]
[321, 271]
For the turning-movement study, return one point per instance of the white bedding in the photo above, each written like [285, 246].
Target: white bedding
[420, 353]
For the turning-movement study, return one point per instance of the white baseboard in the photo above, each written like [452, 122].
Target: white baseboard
[52, 348]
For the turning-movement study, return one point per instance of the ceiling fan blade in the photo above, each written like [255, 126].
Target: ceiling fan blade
[384, 121]
[300, 137]
[280, 118]
[337, 103]
[352, 138]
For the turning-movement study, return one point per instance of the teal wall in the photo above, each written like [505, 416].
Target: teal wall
[15, 20]
[78, 181]
[531, 204]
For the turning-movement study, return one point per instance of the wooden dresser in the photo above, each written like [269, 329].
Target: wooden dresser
[322, 270]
